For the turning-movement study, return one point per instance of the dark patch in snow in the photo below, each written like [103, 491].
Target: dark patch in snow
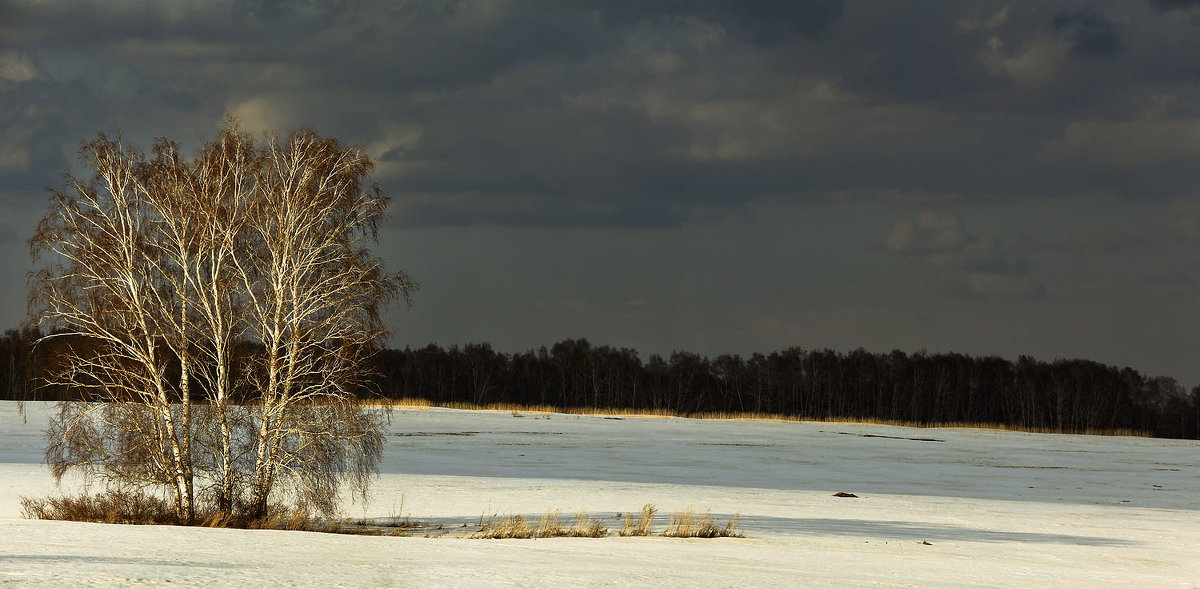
[1040, 467]
[429, 434]
[426, 434]
[734, 444]
[888, 437]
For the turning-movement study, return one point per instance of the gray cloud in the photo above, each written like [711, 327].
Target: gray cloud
[769, 22]
[644, 113]
[979, 264]
[1090, 31]
[932, 233]
[1167, 5]
[1090, 240]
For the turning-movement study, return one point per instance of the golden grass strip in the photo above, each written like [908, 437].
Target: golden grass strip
[414, 403]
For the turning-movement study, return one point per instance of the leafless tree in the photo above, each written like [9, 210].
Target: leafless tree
[314, 295]
[220, 311]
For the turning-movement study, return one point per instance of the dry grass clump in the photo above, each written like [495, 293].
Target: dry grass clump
[550, 526]
[122, 506]
[511, 526]
[683, 524]
[294, 519]
[586, 527]
[641, 525]
[688, 524]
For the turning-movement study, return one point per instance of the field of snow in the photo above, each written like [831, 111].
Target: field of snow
[935, 508]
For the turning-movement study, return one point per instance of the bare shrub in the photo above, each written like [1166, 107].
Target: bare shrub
[640, 526]
[115, 506]
[122, 506]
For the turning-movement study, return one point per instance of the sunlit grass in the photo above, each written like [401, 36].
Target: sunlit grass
[518, 410]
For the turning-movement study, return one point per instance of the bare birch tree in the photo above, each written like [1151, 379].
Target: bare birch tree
[101, 288]
[314, 298]
[241, 279]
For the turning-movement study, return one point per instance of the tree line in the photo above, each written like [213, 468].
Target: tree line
[927, 388]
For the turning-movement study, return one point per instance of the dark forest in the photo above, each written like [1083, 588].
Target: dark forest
[1069, 396]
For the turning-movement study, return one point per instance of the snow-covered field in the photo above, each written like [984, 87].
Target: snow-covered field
[996, 509]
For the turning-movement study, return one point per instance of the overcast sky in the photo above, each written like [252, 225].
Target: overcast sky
[712, 176]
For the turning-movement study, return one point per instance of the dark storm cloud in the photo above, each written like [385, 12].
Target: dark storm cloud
[967, 263]
[1091, 32]
[1165, 5]
[40, 121]
[638, 113]
[768, 22]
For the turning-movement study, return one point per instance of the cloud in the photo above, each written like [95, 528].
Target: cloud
[1091, 32]
[264, 113]
[1185, 213]
[1128, 144]
[1169, 5]
[931, 233]
[14, 158]
[769, 22]
[1106, 239]
[980, 264]
[642, 113]
[18, 67]
[996, 20]
[1004, 284]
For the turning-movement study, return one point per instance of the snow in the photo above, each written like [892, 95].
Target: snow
[998, 509]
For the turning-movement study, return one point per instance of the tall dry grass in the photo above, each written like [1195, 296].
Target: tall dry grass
[641, 525]
[689, 524]
[550, 525]
[413, 403]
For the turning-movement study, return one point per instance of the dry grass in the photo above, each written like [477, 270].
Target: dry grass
[517, 409]
[120, 506]
[132, 507]
[550, 525]
[110, 507]
[586, 527]
[689, 524]
[641, 525]
[511, 526]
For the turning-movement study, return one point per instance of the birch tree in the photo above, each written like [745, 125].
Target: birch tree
[102, 288]
[314, 294]
[221, 312]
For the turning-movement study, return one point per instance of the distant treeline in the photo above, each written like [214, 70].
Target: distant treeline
[1063, 395]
